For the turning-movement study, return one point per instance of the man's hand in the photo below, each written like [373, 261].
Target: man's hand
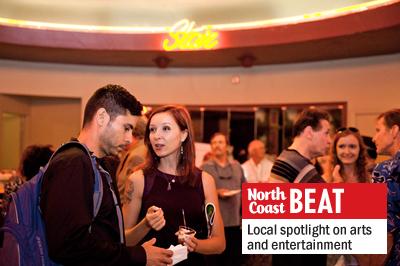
[157, 256]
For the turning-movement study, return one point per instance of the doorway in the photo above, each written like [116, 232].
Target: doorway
[11, 140]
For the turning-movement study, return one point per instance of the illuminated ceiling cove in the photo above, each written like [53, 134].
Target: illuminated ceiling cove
[213, 34]
[155, 15]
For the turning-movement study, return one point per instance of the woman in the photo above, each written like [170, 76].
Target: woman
[349, 157]
[170, 191]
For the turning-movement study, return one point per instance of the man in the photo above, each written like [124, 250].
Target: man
[258, 168]
[228, 176]
[387, 141]
[134, 157]
[73, 236]
[311, 139]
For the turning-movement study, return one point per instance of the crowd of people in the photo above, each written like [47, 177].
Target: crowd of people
[158, 198]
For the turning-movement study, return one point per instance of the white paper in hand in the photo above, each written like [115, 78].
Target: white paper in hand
[180, 253]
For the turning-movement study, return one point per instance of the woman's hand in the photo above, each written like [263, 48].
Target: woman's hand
[190, 242]
[336, 177]
[155, 218]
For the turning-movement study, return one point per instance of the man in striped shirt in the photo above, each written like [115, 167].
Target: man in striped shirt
[311, 140]
[293, 165]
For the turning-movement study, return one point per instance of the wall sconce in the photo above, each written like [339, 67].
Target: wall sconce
[162, 61]
[247, 60]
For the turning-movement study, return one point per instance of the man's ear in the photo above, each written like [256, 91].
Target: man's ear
[395, 131]
[308, 132]
[102, 117]
[184, 135]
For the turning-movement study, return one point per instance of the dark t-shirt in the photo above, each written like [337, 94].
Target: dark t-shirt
[67, 206]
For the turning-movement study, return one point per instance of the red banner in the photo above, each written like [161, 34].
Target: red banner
[314, 201]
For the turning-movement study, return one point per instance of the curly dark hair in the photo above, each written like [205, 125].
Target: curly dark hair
[34, 157]
[361, 162]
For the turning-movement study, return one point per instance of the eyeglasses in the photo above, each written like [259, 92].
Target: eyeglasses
[352, 129]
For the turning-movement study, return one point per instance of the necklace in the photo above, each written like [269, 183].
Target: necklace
[169, 178]
[172, 180]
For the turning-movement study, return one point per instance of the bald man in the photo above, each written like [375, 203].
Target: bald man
[258, 168]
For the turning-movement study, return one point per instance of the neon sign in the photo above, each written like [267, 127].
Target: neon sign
[183, 36]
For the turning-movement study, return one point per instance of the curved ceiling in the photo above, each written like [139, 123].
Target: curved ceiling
[160, 13]
[367, 29]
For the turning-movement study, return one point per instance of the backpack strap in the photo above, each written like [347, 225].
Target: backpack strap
[116, 203]
[98, 183]
[98, 187]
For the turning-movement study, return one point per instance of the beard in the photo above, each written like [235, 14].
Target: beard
[106, 145]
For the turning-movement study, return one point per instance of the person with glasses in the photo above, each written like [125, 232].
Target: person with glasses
[349, 157]
[293, 165]
[387, 141]
[170, 192]
[228, 176]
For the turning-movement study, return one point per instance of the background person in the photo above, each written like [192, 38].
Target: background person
[228, 176]
[349, 157]
[257, 168]
[350, 160]
[133, 157]
[33, 157]
[387, 141]
[293, 165]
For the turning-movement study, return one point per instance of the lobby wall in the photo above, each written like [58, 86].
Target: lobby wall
[369, 85]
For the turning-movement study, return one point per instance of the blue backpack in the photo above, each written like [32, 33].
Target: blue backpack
[24, 232]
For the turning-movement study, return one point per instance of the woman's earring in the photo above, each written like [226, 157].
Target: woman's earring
[182, 150]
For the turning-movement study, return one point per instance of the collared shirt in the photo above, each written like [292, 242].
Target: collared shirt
[255, 173]
[389, 172]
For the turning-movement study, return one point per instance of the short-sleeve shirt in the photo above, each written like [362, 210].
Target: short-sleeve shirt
[292, 167]
[389, 172]
[229, 177]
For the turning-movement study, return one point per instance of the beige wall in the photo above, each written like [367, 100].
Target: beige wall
[44, 120]
[53, 121]
[369, 85]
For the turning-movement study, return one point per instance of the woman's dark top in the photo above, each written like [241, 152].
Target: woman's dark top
[179, 197]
